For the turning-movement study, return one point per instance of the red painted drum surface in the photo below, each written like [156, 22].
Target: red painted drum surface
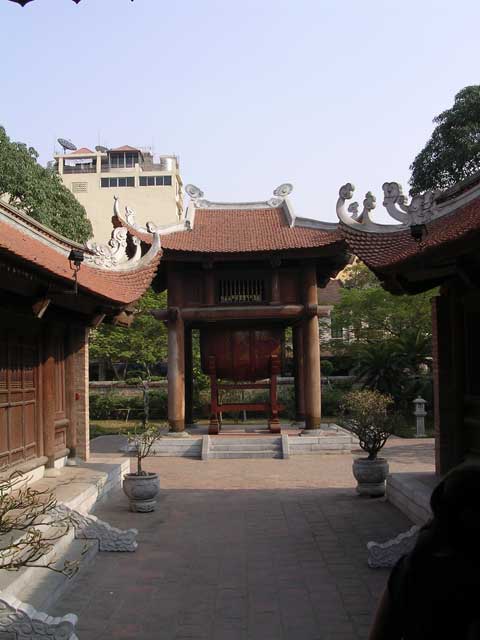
[241, 355]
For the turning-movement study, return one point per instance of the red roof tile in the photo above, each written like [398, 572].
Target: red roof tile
[126, 147]
[81, 151]
[243, 231]
[120, 287]
[385, 250]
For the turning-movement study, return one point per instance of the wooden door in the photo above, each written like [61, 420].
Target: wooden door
[18, 397]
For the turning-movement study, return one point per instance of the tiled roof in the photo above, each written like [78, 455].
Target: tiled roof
[126, 147]
[81, 151]
[243, 230]
[25, 244]
[385, 250]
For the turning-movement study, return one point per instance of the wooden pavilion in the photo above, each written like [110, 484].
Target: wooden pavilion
[52, 292]
[435, 243]
[242, 273]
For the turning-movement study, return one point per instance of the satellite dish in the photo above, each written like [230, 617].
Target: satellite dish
[101, 148]
[66, 144]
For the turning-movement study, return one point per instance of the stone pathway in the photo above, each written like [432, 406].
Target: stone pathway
[245, 549]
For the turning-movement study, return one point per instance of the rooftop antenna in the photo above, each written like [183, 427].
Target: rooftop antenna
[66, 144]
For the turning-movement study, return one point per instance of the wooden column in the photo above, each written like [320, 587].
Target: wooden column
[48, 396]
[176, 370]
[188, 377]
[299, 373]
[448, 366]
[311, 352]
[71, 348]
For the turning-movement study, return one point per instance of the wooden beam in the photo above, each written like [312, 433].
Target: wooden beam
[243, 312]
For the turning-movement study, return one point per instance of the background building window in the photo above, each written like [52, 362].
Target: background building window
[152, 181]
[118, 182]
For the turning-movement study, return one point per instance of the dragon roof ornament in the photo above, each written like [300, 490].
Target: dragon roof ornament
[150, 227]
[114, 255]
[421, 209]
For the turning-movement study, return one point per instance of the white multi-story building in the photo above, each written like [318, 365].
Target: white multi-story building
[152, 187]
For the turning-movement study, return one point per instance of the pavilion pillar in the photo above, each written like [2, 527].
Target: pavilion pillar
[188, 377]
[299, 373]
[70, 394]
[311, 351]
[448, 381]
[48, 397]
[176, 370]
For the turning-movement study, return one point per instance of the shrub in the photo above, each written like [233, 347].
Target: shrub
[331, 400]
[113, 406]
[365, 413]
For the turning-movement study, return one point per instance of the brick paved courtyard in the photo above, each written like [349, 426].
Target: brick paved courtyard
[245, 549]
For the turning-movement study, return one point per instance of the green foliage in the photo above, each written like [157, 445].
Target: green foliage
[365, 413]
[332, 396]
[327, 368]
[389, 345]
[39, 191]
[370, 312]
[112, 406]
[453, 151]
[143, 344]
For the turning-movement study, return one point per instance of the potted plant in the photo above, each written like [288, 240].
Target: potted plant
[366, 414]
[142, 487]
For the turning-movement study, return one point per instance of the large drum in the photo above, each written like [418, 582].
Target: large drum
[241, 355]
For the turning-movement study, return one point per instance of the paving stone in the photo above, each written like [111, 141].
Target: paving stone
[242, 550]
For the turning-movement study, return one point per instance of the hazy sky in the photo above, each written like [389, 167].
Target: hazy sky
[248, 94]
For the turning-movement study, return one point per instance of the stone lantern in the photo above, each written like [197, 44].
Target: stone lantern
[420, 413]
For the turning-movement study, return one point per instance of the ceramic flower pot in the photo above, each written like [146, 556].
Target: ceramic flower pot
[141, 491]
[370, 476]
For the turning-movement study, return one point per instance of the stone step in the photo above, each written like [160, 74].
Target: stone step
[259, 453]
[228, 441]
[48, 586]
[41, 587]
[240, 446]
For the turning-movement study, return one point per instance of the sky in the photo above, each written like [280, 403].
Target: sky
[249, 94]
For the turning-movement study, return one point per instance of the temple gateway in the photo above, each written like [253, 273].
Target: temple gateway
[241, 273]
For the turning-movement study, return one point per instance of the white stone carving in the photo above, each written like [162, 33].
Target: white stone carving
[89, 527]
[421, 209]
[150, 228]
[194, 192]
[387, 554]
[19, 620]
[114, 254]
[279, 195]
[283, 190]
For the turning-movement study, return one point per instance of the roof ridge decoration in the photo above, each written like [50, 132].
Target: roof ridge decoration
[422, 209]
[113, 255]
[199, 202]
[150, 227]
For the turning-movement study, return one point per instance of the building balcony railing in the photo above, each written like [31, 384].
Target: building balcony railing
[79, 169]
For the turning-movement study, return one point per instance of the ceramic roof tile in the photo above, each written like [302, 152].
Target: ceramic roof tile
[120, 287]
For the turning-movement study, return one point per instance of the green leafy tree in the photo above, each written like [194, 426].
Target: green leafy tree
[143, 344]
[368, 312]
[453, 151]
[39, 191]
[387, 341]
